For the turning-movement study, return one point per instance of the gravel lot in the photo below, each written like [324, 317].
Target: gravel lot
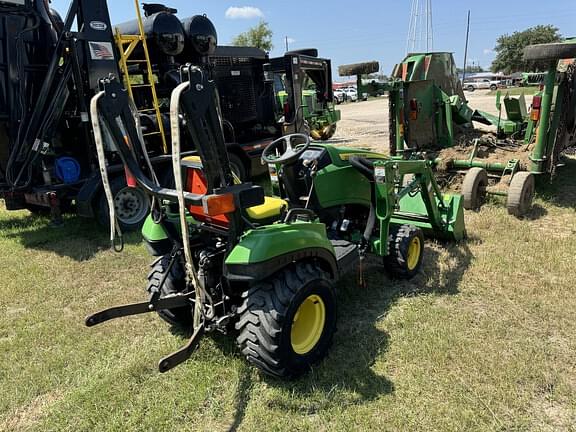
[365, 124]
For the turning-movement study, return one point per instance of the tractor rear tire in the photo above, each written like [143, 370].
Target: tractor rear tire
[521, 193]
[474, 188]
[550, 51]
[287, 322]
[175, 283]
[405, 251]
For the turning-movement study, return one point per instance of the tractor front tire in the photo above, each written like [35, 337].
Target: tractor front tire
[521, 193]
[287, 322]
[175, 283]
[405, 251]
[474, 188]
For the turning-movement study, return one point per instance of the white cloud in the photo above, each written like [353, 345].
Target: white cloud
[488, 51]
[244, 12]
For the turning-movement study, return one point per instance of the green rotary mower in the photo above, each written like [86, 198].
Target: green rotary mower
[430, 115]
[230, 259]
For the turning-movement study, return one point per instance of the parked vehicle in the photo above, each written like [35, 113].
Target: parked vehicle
[351, 94]
[339, 96]
[481, 84]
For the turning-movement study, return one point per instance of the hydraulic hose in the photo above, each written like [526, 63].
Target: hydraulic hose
[366, 168]
[99, 141]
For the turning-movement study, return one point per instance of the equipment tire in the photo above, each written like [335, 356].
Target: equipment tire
[474, 188]
[237, 166]
[521, 193]
[287, 321]
[130, 218]
[405, 251]
[175, 283]
[550, 51]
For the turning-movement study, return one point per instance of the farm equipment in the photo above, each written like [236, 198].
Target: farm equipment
[229, 258]
[430, 116]
[48, 73]
[303, 85]
[358, 70]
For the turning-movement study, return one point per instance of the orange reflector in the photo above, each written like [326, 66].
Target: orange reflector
[535, 114]
[413, 115]
[214, 205]
[130, 179]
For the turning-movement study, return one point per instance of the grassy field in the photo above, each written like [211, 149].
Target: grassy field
[516, 91]
[482, 339]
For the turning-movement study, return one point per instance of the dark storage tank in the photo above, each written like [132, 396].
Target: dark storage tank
[164, 35]
[201, 38]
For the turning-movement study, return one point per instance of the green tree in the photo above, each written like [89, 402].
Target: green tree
[509, 56]
[259, 36]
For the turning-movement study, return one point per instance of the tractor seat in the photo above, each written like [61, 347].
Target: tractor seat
[270, 210]
[265, 213]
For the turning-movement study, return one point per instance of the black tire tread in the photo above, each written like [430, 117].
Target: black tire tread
[175, 283]
[263, 308]
[399, 238]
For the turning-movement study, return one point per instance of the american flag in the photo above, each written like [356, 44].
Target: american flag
[101, 51]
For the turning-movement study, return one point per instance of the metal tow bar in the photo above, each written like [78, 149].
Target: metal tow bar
[176, 301]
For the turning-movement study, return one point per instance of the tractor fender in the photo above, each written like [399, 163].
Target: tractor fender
[264, 251]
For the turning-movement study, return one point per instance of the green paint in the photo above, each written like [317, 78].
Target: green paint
[265, 243]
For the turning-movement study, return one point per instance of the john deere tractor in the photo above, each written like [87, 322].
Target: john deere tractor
[228, 258]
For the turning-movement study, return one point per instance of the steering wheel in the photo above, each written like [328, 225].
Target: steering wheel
[294, 146]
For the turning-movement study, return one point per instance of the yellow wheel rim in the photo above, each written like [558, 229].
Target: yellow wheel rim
[308, 324]
[414, 251]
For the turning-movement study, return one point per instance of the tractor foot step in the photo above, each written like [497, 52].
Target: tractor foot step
[171, 302]
[184, 353]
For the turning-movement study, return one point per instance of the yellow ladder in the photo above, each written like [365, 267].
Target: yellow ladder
[126, 45]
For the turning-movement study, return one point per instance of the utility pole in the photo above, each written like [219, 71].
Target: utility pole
[466, 48]
[286, 39]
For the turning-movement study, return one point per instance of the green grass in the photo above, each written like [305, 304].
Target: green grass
[482, 339]
[516, 91]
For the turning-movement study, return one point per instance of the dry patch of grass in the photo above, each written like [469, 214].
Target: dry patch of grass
[482, 339]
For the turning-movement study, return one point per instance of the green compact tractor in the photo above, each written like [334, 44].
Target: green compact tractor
[430, 116]
[230, 259]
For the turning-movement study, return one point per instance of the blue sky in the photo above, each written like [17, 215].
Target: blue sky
[349, 32]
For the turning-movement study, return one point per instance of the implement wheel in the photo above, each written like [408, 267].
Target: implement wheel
[175, 283]
[474, 188]
[405, 251]
[521, 193]
[287, 321]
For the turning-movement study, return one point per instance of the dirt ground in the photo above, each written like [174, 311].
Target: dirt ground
[365, 124]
